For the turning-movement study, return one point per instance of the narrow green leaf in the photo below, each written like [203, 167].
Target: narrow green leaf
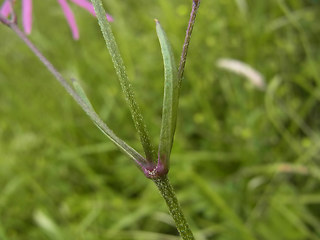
[219, 202]
[132, 153]
[124, 81]
[105, 129]
[170, 99]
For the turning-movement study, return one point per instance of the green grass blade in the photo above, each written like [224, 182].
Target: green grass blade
[124, 81]
[219, 202]
[47, 225]
[170, 99]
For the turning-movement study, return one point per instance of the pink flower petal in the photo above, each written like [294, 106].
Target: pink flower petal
[109, 18]
[70, 18]
[6, 9]
[89, 7]
[27, 15]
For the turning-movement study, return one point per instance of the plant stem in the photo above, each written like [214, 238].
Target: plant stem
[163, 183]
[183, 59]
[175, 210]
[124, 80]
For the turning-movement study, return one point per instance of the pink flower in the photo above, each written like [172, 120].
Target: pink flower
[6, 10]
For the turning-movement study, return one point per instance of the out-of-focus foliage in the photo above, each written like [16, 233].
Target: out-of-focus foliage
[245, 162]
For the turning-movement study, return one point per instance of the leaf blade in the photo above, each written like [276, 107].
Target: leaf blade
[139, 160]
[170, 99]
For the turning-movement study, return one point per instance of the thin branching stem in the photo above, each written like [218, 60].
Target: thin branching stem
[162, 182]
[183, 58]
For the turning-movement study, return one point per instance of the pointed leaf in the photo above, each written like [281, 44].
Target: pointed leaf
[139, 160]
[170, 99]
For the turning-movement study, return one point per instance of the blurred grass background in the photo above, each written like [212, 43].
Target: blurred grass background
[245, 162]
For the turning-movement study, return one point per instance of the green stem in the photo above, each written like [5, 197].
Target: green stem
[183, 58]
[175, 210]
[124, 80]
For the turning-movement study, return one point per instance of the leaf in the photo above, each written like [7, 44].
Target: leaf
[139, 160]
[170, 98]
[105, 129]
[124, 81]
